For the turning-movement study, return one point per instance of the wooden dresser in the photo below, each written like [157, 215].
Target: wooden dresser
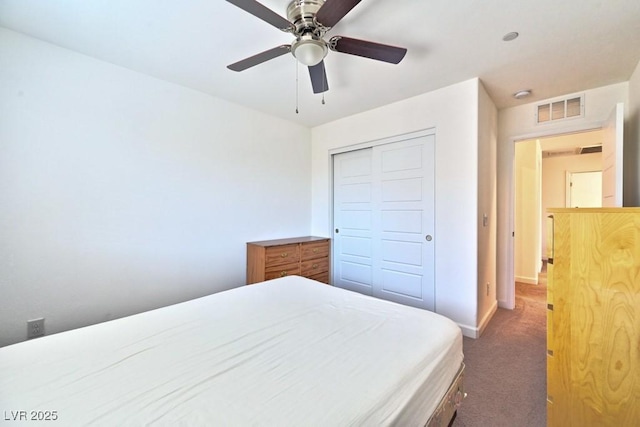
[593, 318]
[305, 256]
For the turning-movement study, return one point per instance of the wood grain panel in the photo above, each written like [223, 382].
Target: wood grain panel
[586, 318]
[594, 374]
[307, 256]
[314, 266]
[322, 277]
[558, 375]
[313, 250]
[282, 270]
[282, 254]
[255, 263]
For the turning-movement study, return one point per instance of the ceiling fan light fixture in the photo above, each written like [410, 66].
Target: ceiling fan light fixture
[308, 21]
[309, 50]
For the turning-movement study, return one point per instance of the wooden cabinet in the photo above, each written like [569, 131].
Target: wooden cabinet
[593, 318]
[305, 256]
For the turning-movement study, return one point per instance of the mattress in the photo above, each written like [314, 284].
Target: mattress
[289, 351]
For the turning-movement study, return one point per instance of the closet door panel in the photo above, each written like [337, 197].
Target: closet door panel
[353, 212]
[384, 221]
[404, 257]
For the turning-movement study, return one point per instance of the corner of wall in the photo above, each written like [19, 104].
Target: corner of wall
[477, 330]
[632, 143]
[487, 208]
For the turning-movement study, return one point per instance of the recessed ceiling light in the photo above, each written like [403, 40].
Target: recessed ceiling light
[522, 94]
[510, 36]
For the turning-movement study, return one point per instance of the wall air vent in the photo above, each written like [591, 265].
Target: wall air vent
[561, 109]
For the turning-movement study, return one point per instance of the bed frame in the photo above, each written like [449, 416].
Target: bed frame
[445, 412]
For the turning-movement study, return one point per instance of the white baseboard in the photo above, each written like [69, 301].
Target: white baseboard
[527, 280]
[476, 331]
[487, 318]
[469, 331]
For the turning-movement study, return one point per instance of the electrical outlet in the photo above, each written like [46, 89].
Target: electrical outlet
[35, 328]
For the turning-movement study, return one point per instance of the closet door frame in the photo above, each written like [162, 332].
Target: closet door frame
[360, 146]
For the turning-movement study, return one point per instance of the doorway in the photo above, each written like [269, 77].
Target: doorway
[612, 144]
[543, 170]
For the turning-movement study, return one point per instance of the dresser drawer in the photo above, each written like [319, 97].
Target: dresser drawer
[313, 250]
[322, 277]
[313, 267]
[284, 270]
[283, 254]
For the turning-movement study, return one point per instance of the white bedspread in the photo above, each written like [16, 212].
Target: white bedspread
[289, 351]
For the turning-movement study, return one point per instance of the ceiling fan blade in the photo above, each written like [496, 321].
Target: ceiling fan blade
[260, 11]
[260, 58]
[319, 78]
[380, 52]
[333, 11]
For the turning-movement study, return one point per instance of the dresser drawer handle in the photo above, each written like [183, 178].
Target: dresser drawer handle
[284, 273]
[314, 266]
[315, 250]
[284, 255]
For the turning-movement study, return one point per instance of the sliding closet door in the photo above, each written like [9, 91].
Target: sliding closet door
[384, 221]
[404, 221]
[353, 216]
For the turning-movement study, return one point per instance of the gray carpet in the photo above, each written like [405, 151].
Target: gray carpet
[505, 376]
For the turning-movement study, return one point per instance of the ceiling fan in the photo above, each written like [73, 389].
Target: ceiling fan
[308, 21]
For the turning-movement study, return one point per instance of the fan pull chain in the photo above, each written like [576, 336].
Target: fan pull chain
[297, 87]
[324, 79]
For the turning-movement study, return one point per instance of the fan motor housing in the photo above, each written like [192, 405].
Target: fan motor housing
[301, 13]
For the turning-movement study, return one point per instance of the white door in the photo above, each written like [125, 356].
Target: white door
[585, 189]
[353, 216]
[612, 149]
[384, 221]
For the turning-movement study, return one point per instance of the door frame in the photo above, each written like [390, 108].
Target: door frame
[510, 302]
[360, 146]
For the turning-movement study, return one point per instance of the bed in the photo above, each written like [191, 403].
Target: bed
[290, 351]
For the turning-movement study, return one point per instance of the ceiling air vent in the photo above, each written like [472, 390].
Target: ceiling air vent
[561, 109]
[591, 149]
[560, 152]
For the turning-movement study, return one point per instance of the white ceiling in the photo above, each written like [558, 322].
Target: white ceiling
[564, 47]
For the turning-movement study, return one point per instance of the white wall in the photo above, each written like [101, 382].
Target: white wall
[527, 214]
[518, 123]
[632, 143]
[554, 171]
[487, 145]
[453, 112]
[121, 193]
